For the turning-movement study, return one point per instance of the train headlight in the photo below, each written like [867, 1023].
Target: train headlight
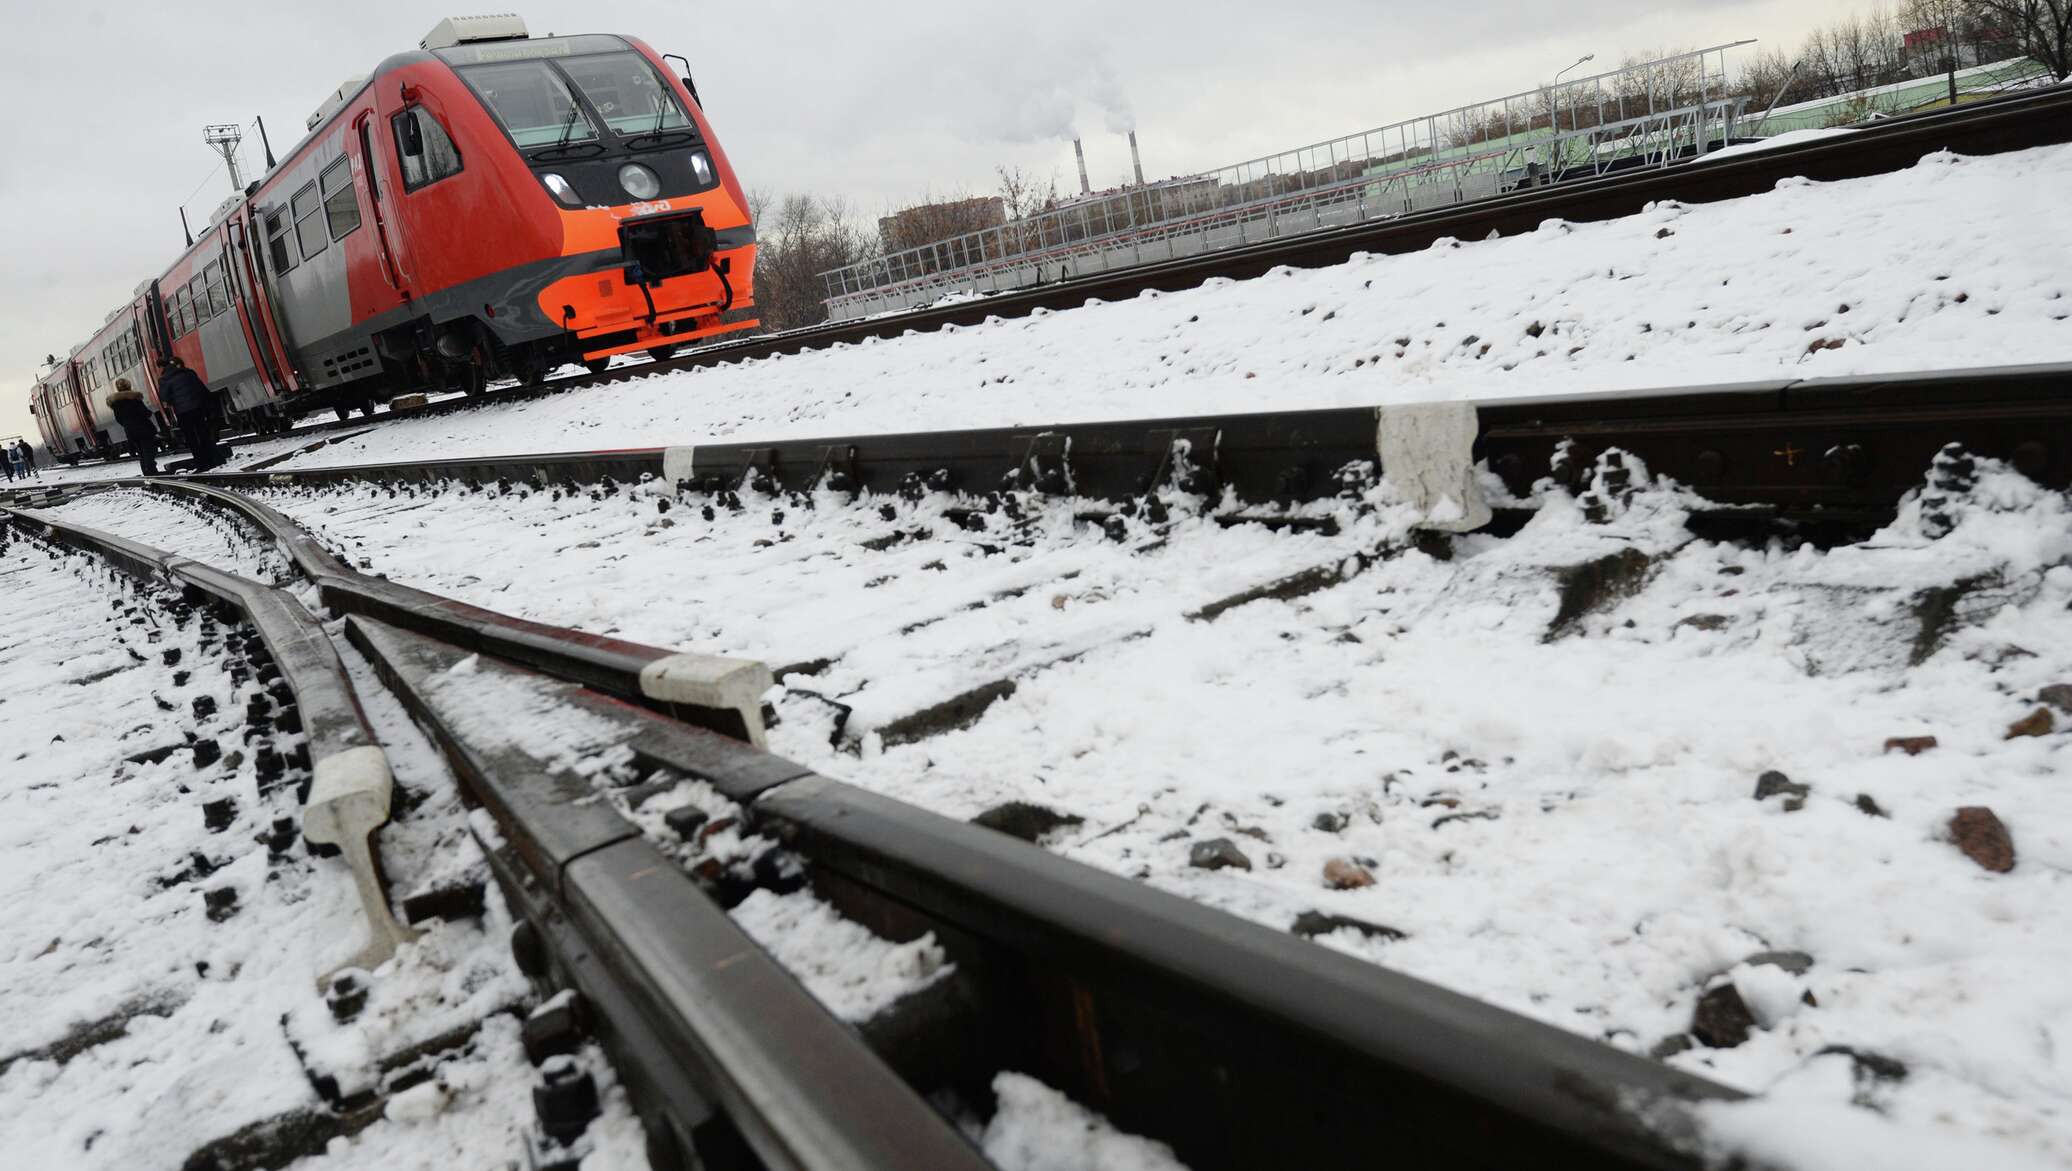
[562, 190]
[639, 182]
[701, 167]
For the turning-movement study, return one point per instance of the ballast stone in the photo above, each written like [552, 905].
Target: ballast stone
[1427, 451]
[348, 801]
[711, 681]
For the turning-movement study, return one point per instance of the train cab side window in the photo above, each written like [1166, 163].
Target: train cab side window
[277, 248]
[308, 234]
[198, 301]
[434, 157]
[341, 206]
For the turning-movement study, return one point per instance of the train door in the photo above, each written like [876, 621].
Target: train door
[75, 390]
[394, 265]
[245, 295]
[280, 365]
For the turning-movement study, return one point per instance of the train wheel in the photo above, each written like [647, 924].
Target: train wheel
[598, 366]
[662, 353]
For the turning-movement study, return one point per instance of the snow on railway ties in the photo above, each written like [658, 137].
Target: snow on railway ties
[1620, 547]
[1177, 1002]
[177, 1008]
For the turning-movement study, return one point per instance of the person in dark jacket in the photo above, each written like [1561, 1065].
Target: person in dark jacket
[29, 457]
[195, 408]
[137, 423]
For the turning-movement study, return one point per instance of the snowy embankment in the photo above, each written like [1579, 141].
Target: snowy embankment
[167, 932]
[192, 529]
[1723, 809]
[1952, 263]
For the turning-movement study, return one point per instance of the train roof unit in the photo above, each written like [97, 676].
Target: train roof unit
[466, 30]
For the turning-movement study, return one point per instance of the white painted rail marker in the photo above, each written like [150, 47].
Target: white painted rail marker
[348, 801]
[1427, 451]
[709, 681]
[678, 464]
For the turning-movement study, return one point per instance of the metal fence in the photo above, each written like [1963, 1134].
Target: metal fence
[1646, 114]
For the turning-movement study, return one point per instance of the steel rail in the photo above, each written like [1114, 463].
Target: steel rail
[1818, 450]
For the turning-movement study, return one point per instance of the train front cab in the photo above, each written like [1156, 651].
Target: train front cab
[601, 215]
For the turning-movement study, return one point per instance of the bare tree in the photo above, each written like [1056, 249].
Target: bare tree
[1945, 18]
[1023, 194]
[2043, 29]
[801, 237]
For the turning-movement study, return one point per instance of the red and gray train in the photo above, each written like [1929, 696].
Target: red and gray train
[493, 205]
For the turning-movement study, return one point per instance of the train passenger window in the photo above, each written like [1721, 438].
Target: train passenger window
[436, 158]
[183, 313]
[277, 242]
[198, 301]
[308, 235]
[219, 297]
[341, 206]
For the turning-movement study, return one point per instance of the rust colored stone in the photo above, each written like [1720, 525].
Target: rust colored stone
[2037, 723]
[1346, 874]
[1980, 834]
[1911, 745]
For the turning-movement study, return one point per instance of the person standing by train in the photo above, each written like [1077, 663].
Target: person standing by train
[16, 470]
[137, 423]
[194, 406]
[28, 457]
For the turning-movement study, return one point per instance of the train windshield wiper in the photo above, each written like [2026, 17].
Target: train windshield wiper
[574, 150]
[662, 138]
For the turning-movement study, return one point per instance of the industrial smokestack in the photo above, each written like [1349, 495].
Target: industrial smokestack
[1079, 148]
[1136, 160]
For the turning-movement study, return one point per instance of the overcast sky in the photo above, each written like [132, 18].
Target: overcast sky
[883, 102]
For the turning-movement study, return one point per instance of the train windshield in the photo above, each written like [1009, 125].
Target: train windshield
[627, 92]
[532, 101]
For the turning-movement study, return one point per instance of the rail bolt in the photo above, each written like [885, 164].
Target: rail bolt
[555, 1028]
[346, 996]
[566, 1100]
[528, 950]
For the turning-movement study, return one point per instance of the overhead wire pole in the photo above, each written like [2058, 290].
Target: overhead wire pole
[224, 138]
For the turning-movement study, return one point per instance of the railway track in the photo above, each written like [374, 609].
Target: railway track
[1828, 457]
[1222, 1038]
[1231, 1042]
[2014, 122]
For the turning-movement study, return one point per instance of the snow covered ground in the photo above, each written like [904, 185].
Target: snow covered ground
[1954, 262]
[159, 974]
[1543, 799]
